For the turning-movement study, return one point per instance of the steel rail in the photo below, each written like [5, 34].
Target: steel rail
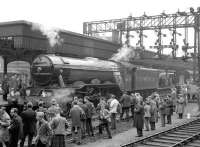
[150, 137]
[186, 141]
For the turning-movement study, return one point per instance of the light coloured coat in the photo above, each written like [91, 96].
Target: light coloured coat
[4, 123]
[180, 106]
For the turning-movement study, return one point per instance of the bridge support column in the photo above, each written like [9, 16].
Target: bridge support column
[5, 64]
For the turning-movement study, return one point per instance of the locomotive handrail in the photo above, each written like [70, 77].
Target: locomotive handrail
[41, 73]
[81, 86]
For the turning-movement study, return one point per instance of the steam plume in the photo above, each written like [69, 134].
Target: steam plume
[51, 33]
[124, 54]
[63, 95]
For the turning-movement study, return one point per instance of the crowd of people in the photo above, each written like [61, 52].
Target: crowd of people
[13, 86]
[47, 126]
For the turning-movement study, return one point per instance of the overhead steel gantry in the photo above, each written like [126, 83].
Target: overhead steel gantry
[164, 21]
[158, 23]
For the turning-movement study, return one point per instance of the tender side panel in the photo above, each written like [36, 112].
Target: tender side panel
[146, 79]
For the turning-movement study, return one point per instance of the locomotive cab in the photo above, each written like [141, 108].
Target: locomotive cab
[44, 71]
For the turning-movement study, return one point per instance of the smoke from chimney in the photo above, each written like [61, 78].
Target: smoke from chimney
[124, 54]
[51, 33]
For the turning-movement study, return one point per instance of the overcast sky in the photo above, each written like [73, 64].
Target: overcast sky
[70, 14]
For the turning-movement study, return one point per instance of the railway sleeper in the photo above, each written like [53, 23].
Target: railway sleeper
[164, 141]
[172, 138]
[143, 145]
[195, 128]
[191, 130]
[193, 144]
[182, 133]
[175, 136]
[188, 131]
[192, 127]
[152, 143]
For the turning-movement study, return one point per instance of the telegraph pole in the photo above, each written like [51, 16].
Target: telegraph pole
[198, 41]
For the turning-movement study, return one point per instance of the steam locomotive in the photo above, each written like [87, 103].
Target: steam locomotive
[62, 77]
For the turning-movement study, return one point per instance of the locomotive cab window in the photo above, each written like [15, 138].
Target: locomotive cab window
[41, 61]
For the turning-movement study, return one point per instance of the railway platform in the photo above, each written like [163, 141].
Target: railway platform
[129, 136]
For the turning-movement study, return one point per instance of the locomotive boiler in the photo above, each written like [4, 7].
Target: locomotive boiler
[57, 71]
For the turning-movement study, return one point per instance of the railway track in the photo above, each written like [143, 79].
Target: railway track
[187, 134]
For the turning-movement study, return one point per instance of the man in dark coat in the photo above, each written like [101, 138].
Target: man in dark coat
[133, 103]
[22, 91]
[162, 111]
[91, 109]
[139, 118]
[29, 121]
[5, 87]
[169, 109]
[15, 128]
[126, 103]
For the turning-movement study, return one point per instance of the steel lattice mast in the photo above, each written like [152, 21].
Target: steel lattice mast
[158, 22]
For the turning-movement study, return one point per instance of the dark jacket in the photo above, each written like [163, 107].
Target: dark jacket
[133, 101]
[85, 109]
[5, 86]
[169, 107]
[16, 127]
[91, 110]
[162, 108]
[139, 116]
[75, 114]
[29, 121]
[125, 100]
[22, 92]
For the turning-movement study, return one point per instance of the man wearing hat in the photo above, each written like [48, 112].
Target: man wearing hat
[29, 121]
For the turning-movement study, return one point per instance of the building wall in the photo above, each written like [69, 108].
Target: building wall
[74, 44]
